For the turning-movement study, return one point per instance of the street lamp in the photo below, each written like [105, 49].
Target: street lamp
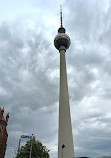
[63, 146]
[31, 147]
[19, 146]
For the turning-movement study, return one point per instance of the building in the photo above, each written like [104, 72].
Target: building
[3, 133]
[65, 137]
[106, 157]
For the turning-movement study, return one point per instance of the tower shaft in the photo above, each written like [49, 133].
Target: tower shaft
[65, 139]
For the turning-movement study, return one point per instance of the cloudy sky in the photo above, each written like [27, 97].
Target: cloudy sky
[29, 72]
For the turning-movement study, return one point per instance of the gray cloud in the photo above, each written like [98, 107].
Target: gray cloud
[29, 75]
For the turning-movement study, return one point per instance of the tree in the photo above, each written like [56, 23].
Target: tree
[38, 150]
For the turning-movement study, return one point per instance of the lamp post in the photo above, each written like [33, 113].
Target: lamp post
[19, 146]
[63, 146]
[31, 147]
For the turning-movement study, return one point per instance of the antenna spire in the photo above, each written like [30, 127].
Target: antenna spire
[61, 15]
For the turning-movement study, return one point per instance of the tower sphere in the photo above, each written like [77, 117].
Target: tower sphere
[62, 39]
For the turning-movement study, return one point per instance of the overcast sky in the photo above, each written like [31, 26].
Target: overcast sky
[29, 72]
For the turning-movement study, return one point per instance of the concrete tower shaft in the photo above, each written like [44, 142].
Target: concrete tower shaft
[65, 128]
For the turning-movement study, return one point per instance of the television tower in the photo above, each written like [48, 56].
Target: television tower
[65, 137]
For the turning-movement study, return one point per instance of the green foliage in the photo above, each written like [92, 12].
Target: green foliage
[38, 150]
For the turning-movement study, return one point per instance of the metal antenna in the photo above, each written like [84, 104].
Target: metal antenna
[61, 15]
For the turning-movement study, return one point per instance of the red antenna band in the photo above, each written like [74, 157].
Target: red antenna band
[61, 15]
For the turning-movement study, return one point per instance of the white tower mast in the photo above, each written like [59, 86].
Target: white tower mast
[65, 138]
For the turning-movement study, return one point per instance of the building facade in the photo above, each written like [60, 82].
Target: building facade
[3, 133]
